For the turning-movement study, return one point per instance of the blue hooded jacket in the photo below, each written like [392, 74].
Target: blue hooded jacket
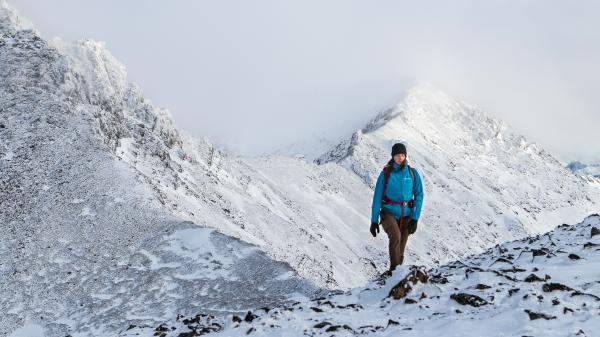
[400, 187]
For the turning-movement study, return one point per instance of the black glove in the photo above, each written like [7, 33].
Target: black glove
[374, 228]
[412, 226]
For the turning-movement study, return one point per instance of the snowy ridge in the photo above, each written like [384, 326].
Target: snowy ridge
[258, 200]
[87, 247]
[547, 285]
[483, 184]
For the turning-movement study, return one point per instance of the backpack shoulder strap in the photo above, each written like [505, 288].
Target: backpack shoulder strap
[412, 174]
[387, 169]
[386, 173]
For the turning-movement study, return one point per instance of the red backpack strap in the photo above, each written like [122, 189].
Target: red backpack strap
[412, 175]
[387, 169]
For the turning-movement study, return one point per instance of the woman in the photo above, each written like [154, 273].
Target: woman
[397, 203]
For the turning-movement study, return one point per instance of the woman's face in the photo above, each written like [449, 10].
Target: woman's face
[399, 158]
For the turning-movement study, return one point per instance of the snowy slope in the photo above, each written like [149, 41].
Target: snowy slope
[483, 184]
[87, 248]
[547, 285]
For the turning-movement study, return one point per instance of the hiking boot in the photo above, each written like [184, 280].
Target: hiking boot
[384, 276]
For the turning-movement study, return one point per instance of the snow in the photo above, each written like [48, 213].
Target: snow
[28, 330]
[113, 217]
[9, 155]
[498, 276]
[483, 184]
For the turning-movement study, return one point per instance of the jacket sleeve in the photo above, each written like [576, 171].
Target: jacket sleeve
[376, 207]
[418, 193]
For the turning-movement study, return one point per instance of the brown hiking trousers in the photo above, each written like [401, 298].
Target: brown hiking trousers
[397, 232]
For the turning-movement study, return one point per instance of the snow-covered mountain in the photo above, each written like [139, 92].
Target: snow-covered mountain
[87, 247]
[108, 211]
[483, 184]
[547, 285]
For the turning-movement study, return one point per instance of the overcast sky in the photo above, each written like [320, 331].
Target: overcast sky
[257, 75]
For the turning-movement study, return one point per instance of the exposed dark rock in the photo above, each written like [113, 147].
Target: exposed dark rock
[438, 279]
[321, 325]
[250, 316]
[502, 259]
[161, 327]
[574, 256]
[595, 231]
[579, 293]
[315, 309]
[468, 299]
[481, 286]
[512, 291]
[333, 328]
[548, 287]
[533, 278]
[513, 270]
[355, 306]
[403, 287]
[409, 301]
[538, 315]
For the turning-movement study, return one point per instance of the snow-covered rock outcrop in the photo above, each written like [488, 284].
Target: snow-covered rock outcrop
[546, 285]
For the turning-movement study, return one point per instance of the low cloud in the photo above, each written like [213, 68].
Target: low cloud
[257, 75]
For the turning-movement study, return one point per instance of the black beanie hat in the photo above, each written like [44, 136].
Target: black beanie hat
[398, 148]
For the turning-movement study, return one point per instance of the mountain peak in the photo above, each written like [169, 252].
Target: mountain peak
[420, 103]
[10, 20]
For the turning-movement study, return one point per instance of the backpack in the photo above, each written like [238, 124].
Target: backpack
[387, 170]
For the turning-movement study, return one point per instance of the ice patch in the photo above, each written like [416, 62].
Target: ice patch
[28, 330]
[87, 211]
[9, 155]
[285, 275]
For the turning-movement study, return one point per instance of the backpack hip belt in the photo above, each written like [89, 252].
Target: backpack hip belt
[410, 204]
[386, 200]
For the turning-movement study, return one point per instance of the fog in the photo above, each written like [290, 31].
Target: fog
[255, 76]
